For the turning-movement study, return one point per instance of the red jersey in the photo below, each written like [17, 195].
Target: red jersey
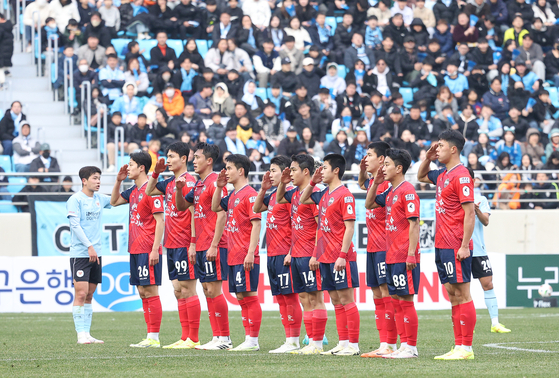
[375, 220]
[401, 203]
[178, 224]
[238, 206]
[278, 226]
[334, 208]
[303, 224]
[141, 231]
[454, 188]
[204, 217]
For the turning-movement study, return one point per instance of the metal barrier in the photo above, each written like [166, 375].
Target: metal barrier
[52, 57]
[36, 40]
[86, 115]
[103, 126]
[68, 83]
[119, 131]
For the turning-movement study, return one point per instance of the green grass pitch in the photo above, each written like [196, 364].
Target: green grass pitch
[44, 345]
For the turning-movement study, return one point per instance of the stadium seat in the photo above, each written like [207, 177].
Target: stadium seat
[331, 21]
[147, 45]
[261, 92]
[496, 57]
[553, 96]
[6, 163]
[177, 45]
[19, 183]
[342, 71]
[202, 46]
[407, 94]
[329, 138]
[7, 207]
[121, 46]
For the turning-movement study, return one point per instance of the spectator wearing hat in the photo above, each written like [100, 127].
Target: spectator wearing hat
[111, 78]
[426, 15]
[290, 145]
[295, 56]
[497, 100]
[128, 104]
[10, 126]
[396, 30]
[45, 163]
[358, 50]
[264, 61]
[520, 124]
[388, 52]
[528, 78]
[66, 185]
[202, 101]
[189, 121]
[309, 77]
[173, 102]
[33, 186]
[343, 38]
[270, 123]
[222, 102]
[332, 81]
[216, 131]
[553, 144]
[231, 143]
[26, 148]
[532, 54]
[285, 77]
[321, 34]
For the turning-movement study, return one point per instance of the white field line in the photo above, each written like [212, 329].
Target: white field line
[502, 346]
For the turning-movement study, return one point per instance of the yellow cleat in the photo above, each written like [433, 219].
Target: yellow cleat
[309, 349]
[499, 328]
[147, 343]
[443, 356]
[189, 344]
[174, 345]
[459, 354]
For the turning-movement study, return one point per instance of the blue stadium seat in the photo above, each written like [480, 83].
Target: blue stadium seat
[19, 184]
[261, 92]
[407, 94]
[147, 45]
[339, 19]
[177, 45]
[342, 71]
[6, 163]
[7, 207]
[121, 46]
[331, 21]
[329, 138]
[553, 96]
[203, 47]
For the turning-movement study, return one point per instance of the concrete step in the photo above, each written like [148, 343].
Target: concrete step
[61, 133]
[67, 144]
[81, 155]
[43, 108]
[32, 95]
[22, 59]
[53, 120]
[27, 70]
[28, 83]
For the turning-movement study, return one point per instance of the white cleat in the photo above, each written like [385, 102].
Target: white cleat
[348, 351]
[221, 345]
[207, 345]
[406, 353]
[395, 353]
[330, 352]
[246, 347]
[285, 348]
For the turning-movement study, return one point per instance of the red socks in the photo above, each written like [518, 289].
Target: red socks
[379, 319]
[183, 316]
[341, 322]
[410, 322]
[468, 322]
[194, 311]
[244, 315]
[456, 325]
[283, 314]
[353, 320]
[221, 312]
[155, 314]
[211, 315]
[399, 316]
[146, 313]
[254, 315]
[389, 321]
[307, 319]
[294, 314]
[319, 319]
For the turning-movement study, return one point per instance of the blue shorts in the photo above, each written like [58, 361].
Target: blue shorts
[304, 279]
[242, 281]
[376, 268]
[141, 273]
[402, 281]
[333, 280]
[450, 269]
[212, 271]
[178, 265]
[281, 280]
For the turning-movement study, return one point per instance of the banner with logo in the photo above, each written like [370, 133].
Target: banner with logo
[44, 284]
[525, 275]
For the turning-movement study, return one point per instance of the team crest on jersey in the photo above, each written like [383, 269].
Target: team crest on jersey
[446, 183]
[97, 204]
[464, 180]
[140, 197]
[348, 199]
[331, 201]
[395, 199]
[236, 202]
[79, 273]
[203, 188]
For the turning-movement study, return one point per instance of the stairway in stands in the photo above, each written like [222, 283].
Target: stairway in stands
[67, 141]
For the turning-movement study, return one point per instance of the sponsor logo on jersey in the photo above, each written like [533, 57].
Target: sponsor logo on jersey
[349, 209]
[464, 180]
[466, 191]
[410, 197]
[190, 184]
[157, 203]
[411, 207]
[348, 199]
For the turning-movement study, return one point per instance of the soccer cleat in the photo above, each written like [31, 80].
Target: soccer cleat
[207, 345]
[348, 351]
[84, 340]
[285, 348]
[405, 353]
[174, 345]
[333, 351]
[443, 356]
[221, 345]
[245, 347]
[93, 340]
[147, 343]
[306, 340]
[459, 354]
[499, 328]
[395, 353]
[309, 349]
[189, 344]
[378, 353]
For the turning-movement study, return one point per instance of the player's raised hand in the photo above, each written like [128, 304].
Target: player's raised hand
[221, 179]
[123, 173]
[266, 182]
[180, 183]
[153, 258]
[249, 262]
[160, 166]
[313, 264]
[432, 152]
[286, 176]
[379, 177]
[363, 164]
[317, 177]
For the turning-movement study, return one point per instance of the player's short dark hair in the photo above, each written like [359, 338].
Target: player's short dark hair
[380, 148]
[305, 162]
[281, 161]
[454, 138]
[208, 150]
[87, 172]
[336, 161]
[399, 157]
[180, 148]
[142, 158]
[239, 161]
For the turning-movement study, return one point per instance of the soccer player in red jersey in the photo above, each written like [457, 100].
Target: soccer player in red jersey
[335, 256]
[278, 240]
[402, 258]
[243, 233]
[144, 241]
[211, 243]
[376, 253]
[179, 241]
[304, 221]
[455, 224]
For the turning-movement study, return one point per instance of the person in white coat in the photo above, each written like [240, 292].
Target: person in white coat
[259, 12]
[41, 6]
[62, 11]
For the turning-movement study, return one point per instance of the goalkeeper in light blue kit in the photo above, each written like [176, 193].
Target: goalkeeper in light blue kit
[481, 267]
[85, 209]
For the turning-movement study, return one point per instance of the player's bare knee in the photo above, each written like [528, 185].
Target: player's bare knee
[240, 296]
[486, 283]
[377, 293]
